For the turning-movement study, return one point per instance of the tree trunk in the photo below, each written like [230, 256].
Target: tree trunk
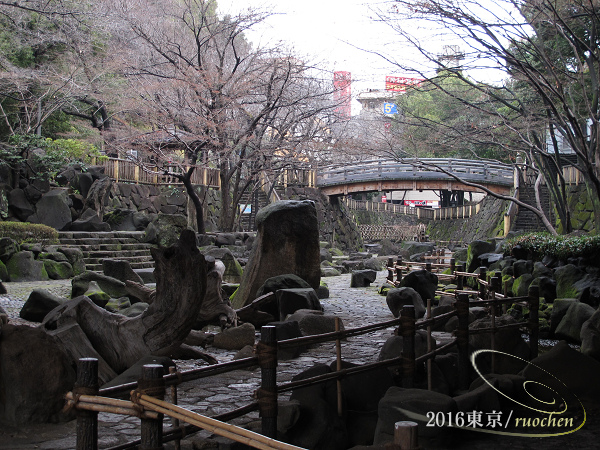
[193, 196]
[180, 272]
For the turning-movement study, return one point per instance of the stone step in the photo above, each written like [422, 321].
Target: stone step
[142, 253]
[97, 267]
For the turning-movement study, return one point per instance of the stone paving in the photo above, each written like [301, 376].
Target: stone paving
[355, 306]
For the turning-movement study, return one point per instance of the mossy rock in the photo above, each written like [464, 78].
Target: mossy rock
[521, 285]
[3, 272]
[117, 304]
[58, 270]
[383, 290]
[22, 266]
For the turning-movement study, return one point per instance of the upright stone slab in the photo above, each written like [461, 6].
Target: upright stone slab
[287, 241]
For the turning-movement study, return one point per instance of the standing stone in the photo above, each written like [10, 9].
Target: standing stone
[287, 241]
[53, 210]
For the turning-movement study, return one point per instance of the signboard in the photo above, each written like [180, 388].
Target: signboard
[245, 209]
[401, 84]
[390, 108]
[415, 203]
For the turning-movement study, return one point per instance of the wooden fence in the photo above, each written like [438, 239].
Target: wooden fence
[128, 171]
[454, 212]
[147, 395]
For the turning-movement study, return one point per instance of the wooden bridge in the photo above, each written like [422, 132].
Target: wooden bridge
[381, 175]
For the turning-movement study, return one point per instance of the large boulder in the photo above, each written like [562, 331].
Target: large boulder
[113, 287]
[53, 210]
[19, 205]
[319, 426]
[23, 266]
[75, 258]
[287, 242]
[570, 325]
[590, 336]
[564, 367]
[35, 375]
[362, 278]
[566, 276]
[291, 300]
[476, 249]
[89, 221]
[39, 303]
[425, 283]
[400, 404]
[313, 322]
[8, 247]
[235, 338]
[396, 298]
[165, 229]
[120, 270]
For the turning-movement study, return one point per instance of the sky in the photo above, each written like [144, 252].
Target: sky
[333, 32]
[339, 34]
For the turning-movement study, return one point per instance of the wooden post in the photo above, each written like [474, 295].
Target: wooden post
[87, 421]
[429, 379]
[452, 266]
[153, 384]
[407, 321]
[534, 325]
[482, 276]
[338, 354]
[428, 267]
[390, 267]
[267, 397]
[460, 279]
[399, 269]
[406, 435]
[462, 340]
[175, 422]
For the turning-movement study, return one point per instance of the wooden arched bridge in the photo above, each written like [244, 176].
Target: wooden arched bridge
[382, 175]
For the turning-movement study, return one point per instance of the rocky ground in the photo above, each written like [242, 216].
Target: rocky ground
[355, 306]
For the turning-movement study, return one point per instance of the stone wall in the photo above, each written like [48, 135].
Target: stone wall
[488, 223]
[582, 209]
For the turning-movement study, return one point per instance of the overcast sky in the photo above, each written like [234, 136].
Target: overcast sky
[337, 33]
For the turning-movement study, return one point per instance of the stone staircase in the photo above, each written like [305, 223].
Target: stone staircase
[258, 199]
[97, 246]
[526, 220]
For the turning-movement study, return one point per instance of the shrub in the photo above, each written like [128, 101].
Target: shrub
[561, 247]
[29, 232]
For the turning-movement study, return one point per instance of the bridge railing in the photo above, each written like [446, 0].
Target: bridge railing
[418, 169]
[453, 212]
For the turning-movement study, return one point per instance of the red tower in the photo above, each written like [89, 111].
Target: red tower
[341, 94]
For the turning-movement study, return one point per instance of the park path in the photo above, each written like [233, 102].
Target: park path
[215, 395]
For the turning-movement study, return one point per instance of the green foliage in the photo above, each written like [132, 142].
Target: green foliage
[44, 156]
[441, 119]
[561, 247]
[29, 232]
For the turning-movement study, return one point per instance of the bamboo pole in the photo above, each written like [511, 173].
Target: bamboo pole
[214, 426]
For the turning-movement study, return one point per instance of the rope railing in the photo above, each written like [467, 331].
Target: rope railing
[88, 400]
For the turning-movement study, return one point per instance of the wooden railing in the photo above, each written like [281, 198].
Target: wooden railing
[422, 169]
[453, 212]
[87, 399]
[127, 171]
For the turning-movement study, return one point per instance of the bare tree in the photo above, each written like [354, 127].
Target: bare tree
[249, 110]
[549, 49]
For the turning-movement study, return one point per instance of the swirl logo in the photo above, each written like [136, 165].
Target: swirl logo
[547, 404]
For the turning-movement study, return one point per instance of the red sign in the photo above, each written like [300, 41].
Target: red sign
[401, 84]
[414, 203]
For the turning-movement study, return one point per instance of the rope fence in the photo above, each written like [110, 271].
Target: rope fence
[146, 396]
